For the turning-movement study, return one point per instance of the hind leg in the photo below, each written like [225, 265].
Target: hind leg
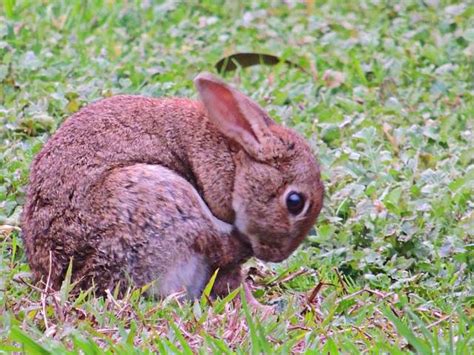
[150, 224]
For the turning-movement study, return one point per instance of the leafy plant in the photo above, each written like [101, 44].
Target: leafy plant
[386, 99]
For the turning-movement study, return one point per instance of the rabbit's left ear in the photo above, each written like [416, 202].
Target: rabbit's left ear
[236, 115]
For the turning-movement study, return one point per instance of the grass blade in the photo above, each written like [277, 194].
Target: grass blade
[186, 348]
[8, 6]
[206, 294]
[29, 345]
[220, 305]
[260, 344]
[407, 333]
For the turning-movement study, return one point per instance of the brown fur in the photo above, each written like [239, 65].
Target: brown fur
[92, 196]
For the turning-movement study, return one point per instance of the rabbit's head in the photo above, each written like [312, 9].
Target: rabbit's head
[278, 192]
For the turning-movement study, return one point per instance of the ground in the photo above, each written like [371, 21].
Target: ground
[382, 90]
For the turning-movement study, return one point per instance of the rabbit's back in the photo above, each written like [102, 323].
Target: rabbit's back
[61, 215]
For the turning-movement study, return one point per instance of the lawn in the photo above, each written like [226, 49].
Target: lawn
[382, 90]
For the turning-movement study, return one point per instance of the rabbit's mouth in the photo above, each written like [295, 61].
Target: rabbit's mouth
[270, 254]
[271, 250]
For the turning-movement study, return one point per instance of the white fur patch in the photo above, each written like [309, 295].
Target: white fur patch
[188, 275]
[241, 220]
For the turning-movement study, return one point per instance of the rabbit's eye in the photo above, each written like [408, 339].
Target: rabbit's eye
[295, 203]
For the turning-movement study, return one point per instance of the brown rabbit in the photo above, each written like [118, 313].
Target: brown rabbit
[141, 189]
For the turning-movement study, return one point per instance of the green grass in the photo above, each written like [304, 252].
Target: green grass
[387, 102]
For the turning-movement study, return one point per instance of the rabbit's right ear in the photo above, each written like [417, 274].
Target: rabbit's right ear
[236, 115]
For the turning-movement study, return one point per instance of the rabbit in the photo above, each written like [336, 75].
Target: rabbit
[134, 189]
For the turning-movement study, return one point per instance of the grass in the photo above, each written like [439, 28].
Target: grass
[387, 102]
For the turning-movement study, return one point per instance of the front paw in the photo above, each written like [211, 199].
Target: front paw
[255, 305]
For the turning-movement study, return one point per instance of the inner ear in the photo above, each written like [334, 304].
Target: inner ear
[226, 107]
[236, 115]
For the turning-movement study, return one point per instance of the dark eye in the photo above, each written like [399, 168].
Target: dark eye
[295, 203]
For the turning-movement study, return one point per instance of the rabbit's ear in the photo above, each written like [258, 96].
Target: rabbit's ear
[236, 115]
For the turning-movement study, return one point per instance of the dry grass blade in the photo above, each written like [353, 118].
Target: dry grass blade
[341, 281]
[314, 293]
